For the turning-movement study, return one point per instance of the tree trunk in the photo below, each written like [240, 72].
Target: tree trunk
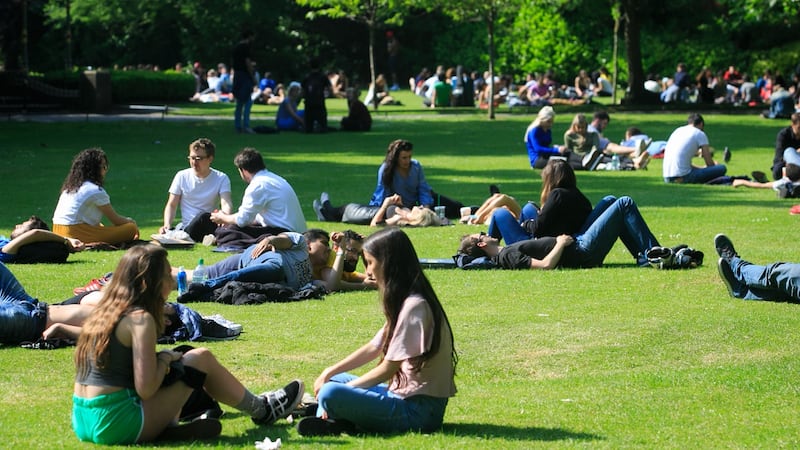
[633, 47]
[491, 61]
[372, 60]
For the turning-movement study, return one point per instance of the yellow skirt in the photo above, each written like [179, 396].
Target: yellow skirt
[115, 234]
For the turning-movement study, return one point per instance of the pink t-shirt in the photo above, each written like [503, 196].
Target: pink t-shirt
[412, 337]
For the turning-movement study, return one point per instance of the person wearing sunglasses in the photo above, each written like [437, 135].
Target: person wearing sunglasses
[198, 190]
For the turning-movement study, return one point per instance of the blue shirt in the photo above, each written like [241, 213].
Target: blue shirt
[538, 141]
[414, 189]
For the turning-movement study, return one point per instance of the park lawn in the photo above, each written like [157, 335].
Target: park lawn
[615, 357]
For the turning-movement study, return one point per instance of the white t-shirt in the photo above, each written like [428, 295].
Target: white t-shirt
[198, 195]
[682, 146]
[270, 201]
[79, 207]
[412, 337]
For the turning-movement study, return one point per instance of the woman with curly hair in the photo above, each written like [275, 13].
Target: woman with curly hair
[84, 203]
[122, 393]
[414, 349]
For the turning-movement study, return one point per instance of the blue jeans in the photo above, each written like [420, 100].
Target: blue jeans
[242, 89]
[22, 317]
[379, 410]
[621, 219]
[266, 268]
[503, 224]
[778, 281]
[700, 175]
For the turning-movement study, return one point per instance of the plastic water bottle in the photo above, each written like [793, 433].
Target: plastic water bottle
[181, 280]
[199, 274]
[615, 162]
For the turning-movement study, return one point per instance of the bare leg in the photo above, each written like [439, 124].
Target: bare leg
[492, 203]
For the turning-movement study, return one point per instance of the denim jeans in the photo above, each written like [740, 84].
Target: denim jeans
[503, 224]
[266, 268]
[379, 410]
[22, 317]
[242, 89]
[700, 175]
[778, 281]
[618, 219]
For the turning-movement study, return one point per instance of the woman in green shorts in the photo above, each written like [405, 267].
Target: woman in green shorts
[120, 396]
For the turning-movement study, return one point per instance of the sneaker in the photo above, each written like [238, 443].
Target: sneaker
[726, 155]
[215, 331]
[795, 210]
[225, 322]
[759, 176]
[94, 285]
[201, 428]
[248, 130]
[724, 247]
[318, 210]
[591, 160]
[281, 403]
[493, 189]
[324, 198]
[314, 426]
[209, 240]
[726, 273]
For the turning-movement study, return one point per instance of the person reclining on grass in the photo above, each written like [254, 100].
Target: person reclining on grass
[778, 281]
[32, 231]
[283, 258]
[391, 212]
[24, 318]
[338, 271]
[620, 219]
[791, 175]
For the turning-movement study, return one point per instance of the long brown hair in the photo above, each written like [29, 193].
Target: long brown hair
[403, 276]
[137, 283]
[390, 162]
[557, 174]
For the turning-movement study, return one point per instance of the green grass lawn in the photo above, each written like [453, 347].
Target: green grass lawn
[615, 357]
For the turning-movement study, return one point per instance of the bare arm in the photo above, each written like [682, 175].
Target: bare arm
[169, 212]
[226, 204]
[358, 358]
[223, 218]
[705, 152]
[270, 243]
[388, 201]
[380, 373]
[112, 215]
[31, 236]
[551, 260]
[149, 368]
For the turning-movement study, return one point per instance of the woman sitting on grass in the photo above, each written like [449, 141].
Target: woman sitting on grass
[414, 348]
[119, 394]
[565, 210]
[84, 202]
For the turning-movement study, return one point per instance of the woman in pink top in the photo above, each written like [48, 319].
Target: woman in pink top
[414, 349]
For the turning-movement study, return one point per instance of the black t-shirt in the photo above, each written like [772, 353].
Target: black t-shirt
[519, 254]
[314, 87]
[564, 212]
[786, 138]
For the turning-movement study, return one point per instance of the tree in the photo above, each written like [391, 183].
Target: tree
[489, 12]
[372, 13]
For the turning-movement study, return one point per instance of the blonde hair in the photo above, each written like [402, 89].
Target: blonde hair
[546, 113]
[420, 217]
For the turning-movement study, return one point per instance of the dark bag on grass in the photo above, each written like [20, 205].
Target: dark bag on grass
[42, 252]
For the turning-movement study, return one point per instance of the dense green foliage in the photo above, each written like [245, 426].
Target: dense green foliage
[564, 35]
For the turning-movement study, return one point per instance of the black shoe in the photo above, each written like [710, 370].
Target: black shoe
[314, 426]
[726, 273]
[281, 403]
[726, 155]
[592, 160]
[202, 428]
[493, 189]
[724, 247]
[759, 176]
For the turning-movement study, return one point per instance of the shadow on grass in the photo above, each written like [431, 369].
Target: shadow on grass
[483, 430]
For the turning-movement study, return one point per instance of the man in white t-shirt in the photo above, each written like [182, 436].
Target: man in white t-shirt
[198, 191]
[682, 145]
[269, 204]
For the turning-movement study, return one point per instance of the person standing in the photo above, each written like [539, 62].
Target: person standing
[314, 86]
[243, 81]
[198, 190]
[682, 145]
[269, 204]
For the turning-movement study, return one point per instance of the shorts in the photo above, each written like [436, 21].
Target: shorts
[116, 418]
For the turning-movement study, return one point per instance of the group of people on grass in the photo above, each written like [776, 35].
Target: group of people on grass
[120, 395]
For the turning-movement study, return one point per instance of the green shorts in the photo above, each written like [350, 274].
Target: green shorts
[115, 418]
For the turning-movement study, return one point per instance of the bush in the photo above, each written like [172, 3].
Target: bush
[131, 86]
